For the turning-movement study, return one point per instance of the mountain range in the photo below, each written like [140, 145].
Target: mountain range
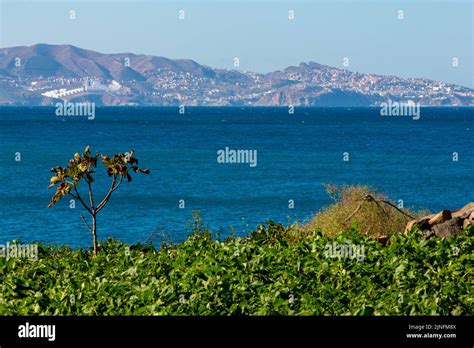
[44, 74]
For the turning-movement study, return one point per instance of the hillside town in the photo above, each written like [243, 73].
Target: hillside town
[308, 84]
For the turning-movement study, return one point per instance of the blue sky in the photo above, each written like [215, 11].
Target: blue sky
[260, 34]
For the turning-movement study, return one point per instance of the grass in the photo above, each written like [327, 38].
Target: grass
[269, 272]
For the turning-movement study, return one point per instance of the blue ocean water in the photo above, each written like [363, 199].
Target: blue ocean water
[297, 153]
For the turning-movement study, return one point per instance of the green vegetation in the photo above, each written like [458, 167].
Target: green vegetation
[269, 272]
[277, 270]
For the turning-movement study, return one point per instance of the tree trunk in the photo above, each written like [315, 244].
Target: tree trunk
[94, 233]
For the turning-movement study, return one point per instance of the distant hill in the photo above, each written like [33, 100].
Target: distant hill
[43, 74]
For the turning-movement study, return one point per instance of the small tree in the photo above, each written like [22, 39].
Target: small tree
[82, 167]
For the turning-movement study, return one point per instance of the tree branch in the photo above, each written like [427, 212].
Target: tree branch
[91, 199]
[401, 211]
[90, 229]
[78, 196]
[370, 198]
[366, 198]
[112, 189]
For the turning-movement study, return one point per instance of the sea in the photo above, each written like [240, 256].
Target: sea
[424, 163]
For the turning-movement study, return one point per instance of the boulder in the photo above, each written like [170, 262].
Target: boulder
[442, 216]
[383, 239]
[445, 223]
[428, 234]
[422, 223]
[409, 226]
[448, 228]
[464, 211]
[468, 221]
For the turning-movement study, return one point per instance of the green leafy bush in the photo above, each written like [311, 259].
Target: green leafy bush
[263, 274]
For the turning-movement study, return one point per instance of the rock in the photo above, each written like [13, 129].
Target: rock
[383, 239]
[448, 228]
[468, 221]
[427, 234]
[464, 211]
[471, 217]
[445, 223]
[422, 223]
[409, 226]
[442, 216]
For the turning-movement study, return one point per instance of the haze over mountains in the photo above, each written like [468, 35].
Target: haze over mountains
[45, 74]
